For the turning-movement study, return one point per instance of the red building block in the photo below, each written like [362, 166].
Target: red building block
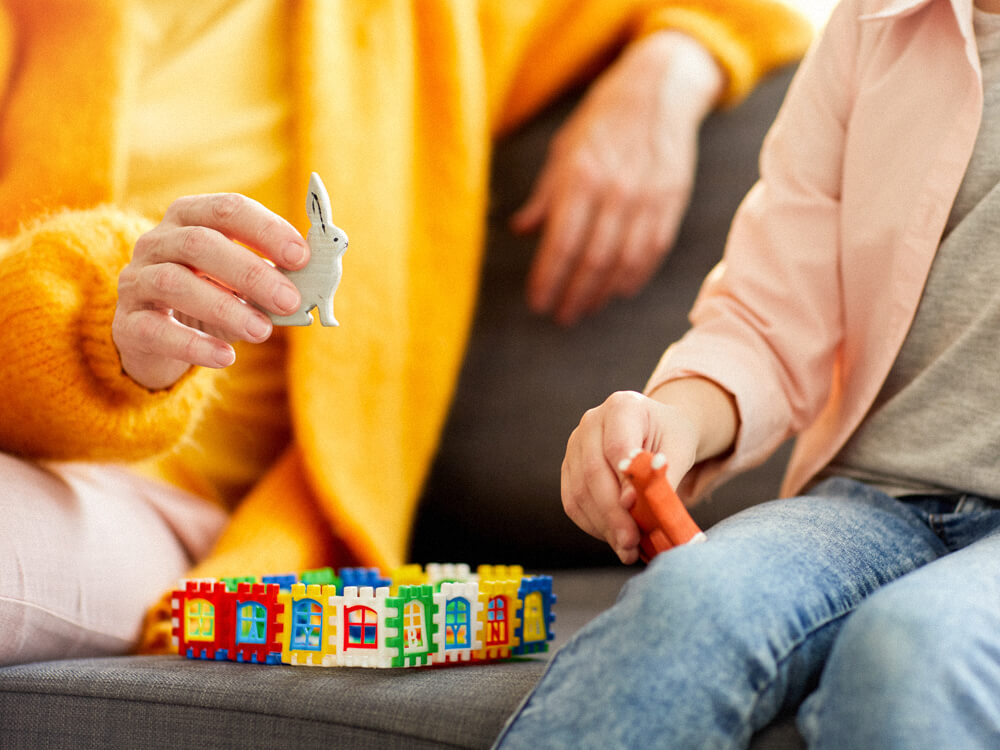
[256, 621]
[201, 625]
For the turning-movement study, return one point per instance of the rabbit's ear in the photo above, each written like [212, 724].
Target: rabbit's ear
[318, 202]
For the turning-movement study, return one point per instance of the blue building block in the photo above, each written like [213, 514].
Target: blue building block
[541, 588]
[361, 577]
[285, 581]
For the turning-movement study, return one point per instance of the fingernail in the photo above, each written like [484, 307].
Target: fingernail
[224, 356]
[258, 327]
[286, 298]
[294, 253]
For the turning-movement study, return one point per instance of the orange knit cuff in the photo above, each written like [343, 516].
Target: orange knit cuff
[64, 393]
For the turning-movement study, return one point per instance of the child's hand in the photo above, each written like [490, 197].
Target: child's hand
[593, 493]
[183, 297]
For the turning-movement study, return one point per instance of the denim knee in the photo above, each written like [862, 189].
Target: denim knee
[739, 613]
[668, 660]
[695, 593]
[908, 672]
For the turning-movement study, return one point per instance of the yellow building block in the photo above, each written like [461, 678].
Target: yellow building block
[500, 572]
[500, 616]
[307, 636]
[407, 575]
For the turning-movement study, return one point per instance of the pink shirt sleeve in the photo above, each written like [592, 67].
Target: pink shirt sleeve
[768, 320]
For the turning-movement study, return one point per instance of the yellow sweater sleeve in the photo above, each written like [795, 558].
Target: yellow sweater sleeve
[6, 49]
[535, 55]
[64, 393]
[748, 38]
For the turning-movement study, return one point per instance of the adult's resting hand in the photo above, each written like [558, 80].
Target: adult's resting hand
[617, 179]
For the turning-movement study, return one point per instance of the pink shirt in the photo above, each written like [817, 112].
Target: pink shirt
[829, 252]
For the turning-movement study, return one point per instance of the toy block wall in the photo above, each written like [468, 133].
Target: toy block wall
[446, 615]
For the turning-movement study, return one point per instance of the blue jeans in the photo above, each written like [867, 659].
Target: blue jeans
[877, 619]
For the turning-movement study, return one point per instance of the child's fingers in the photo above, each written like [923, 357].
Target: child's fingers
[625, 426]
[589, 489]
[592, 485]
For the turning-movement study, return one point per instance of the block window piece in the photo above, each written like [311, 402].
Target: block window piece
[496, 621]
[413, 626]
[456, 623]
[251, 623]
[534, 618]
[362, 627]
[199, 619]
[307, 625]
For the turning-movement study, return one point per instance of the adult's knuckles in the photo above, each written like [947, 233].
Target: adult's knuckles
[164, 280]
[196, 244]
[224, 206]
[144, 332]
[254, 277]
[223, 309]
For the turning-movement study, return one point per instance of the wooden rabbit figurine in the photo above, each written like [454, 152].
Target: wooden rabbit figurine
[318, 280]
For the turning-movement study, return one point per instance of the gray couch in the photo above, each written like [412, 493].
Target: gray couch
[492, 496]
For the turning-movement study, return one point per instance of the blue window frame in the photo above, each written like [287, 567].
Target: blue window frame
[251, 622]
[307, 625]
[457, 623]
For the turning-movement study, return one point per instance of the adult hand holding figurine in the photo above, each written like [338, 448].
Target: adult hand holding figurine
[182, 300]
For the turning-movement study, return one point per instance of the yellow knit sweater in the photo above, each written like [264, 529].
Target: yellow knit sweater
[396, 104]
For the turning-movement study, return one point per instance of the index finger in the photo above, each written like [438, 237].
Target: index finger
[557, 251]
[246, 221]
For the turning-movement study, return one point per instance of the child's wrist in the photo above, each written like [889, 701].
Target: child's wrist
[709, 408]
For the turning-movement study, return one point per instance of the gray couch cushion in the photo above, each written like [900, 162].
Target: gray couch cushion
[168, 701]
[155, 702]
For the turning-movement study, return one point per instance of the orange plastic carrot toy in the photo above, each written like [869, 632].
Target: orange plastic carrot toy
[660, 514]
